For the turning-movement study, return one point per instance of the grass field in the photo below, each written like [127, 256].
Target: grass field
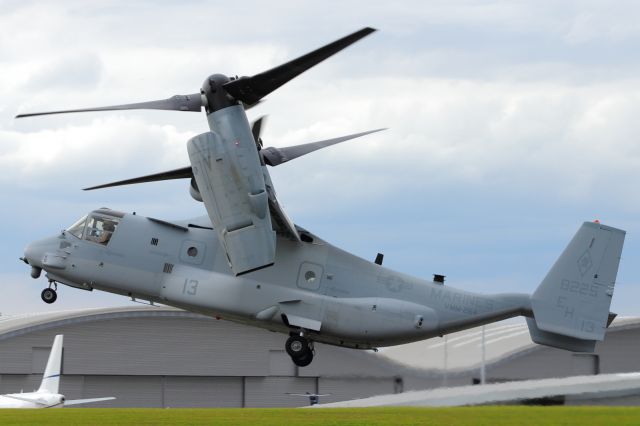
[511, 415]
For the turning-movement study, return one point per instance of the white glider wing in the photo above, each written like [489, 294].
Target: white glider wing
[87, 401]
[37, 401]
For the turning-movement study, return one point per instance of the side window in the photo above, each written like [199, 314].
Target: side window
[100, 229]
[77, 228]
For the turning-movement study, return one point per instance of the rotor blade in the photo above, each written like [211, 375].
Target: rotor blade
[276, 156]
[251, 89]
[247, 107]
[183, 173]
[256, 128]
[191, 102]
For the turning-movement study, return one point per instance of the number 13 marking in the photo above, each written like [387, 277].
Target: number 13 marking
[190, 287]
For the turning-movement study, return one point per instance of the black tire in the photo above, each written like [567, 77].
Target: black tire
[49, 295]
[297, 347]
[304, 360]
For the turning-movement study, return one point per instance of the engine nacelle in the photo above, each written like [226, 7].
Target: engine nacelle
[229, 180]
[194, 191]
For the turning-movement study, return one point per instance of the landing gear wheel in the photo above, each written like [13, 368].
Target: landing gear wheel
[49, 295]
[304, 360]
[297, 347]
[300, 350]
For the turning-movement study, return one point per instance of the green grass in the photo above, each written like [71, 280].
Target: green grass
[510, 415]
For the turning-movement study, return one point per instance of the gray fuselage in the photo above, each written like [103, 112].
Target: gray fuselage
[336, 297]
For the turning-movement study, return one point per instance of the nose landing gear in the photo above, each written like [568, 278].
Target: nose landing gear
[300, 350]
[49, 295]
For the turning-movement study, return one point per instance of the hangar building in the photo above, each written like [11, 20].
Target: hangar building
[165, 357]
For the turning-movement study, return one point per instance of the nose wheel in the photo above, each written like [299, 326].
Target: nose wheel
[49, 295]
[300, 350]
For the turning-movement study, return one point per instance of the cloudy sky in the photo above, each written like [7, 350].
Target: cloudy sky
[510, 123]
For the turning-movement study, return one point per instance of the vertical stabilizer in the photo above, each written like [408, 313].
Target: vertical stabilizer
[571, 305]
[51, 379]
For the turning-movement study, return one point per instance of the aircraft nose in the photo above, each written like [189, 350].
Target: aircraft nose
[34, 253]
[29, 254]
[33, 257]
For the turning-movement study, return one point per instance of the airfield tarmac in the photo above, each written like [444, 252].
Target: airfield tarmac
[489, 415]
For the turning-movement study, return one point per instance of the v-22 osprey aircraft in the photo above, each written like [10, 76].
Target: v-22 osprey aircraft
[246, 261]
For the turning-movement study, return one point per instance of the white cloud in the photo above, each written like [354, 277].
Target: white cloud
[613, 22]
[560, 141]
[525, 105]
[80, 71]
[105, 147]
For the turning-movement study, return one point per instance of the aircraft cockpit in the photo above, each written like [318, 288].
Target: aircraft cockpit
[98, 226]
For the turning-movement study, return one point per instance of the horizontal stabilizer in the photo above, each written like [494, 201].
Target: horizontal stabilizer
[88, 401]
[558, 340]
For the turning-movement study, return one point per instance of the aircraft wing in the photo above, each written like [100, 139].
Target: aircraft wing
[88, 401]
[282, 224]
[26, 399]
[307, 394]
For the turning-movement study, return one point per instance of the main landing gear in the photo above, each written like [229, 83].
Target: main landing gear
[49, 295]
[300, 350]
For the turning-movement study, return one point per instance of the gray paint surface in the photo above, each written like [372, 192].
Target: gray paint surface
[349, 301]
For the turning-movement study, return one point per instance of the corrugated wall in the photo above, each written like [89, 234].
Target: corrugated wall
[203, 392]
[352, 388]
[19, 383]
[181, 361]
[131, 391]
[272, 391]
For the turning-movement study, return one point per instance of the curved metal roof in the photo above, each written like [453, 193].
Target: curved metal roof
[369, 364]
[15, 325]
[463, 350]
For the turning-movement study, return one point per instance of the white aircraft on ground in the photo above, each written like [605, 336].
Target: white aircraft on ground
[47, 396]
[314, 398]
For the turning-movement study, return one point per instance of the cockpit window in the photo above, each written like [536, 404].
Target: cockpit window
[77, 228]
[100, 228]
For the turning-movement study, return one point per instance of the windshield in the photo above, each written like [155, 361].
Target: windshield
[100, 228]
[77, 228]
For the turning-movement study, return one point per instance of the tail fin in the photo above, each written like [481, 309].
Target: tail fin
[51, 379]
[571, 305]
